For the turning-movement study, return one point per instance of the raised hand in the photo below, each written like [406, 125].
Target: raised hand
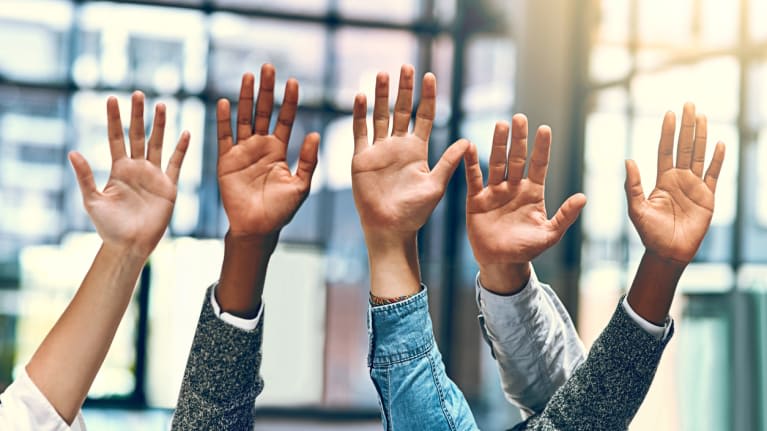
[134, 208]
[259, 193]
[673, 220]
[394, 189]
[506, 221]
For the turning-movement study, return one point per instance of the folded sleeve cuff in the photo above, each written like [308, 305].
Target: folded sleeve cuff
[237, 322]
[509, 308]
[401, 331]
[659, 332]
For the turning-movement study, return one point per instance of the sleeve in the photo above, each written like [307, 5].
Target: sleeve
[533, 341]
[406, 367]
[237, 322]
[606, 391]
[222, 377]
[23, 407]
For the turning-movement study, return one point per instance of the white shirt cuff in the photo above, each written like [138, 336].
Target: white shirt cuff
[24, 407]
[659, 332]
[237, 322]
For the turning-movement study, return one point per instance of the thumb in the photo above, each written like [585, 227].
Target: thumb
[84, 175]
[634, 193]
[449, 161]
[568, 213]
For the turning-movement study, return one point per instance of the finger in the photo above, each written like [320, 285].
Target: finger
[307, 159]
[699, 150]
[245, 107]
[568, 213]
[154, 152]
[381, 108]
[360, 123]
[686, 132]
[265, 100]
[224, 126]
[424, 118]
[449, 161]
[136, 128]
[174, 164]
[287, 112]
[84, 175]
[403, 107]
[666, 144]
[712, 174]
[634, 193]
[115, 130]
[473, 171]
[497, 169]
[539, 161]
[518, 150]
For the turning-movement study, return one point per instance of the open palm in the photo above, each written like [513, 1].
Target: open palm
[135, 207]
[673, 220]
[258, 190]
[394, 189]
[506, 221]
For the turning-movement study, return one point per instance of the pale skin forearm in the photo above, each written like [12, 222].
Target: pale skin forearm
[65, 364]
[243, 273]
[652, 291]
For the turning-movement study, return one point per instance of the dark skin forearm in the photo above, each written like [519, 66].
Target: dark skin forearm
[654, 285]
[243, 273]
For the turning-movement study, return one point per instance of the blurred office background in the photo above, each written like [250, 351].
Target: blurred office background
[601, 73]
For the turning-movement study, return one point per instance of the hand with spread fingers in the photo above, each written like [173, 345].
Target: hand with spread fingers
[136, 204]
[674, 218]
[394, 189]
[259, 192]
[506, 221]
[131, 215]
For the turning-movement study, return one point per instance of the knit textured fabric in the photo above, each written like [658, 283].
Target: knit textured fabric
[222, 376]
[605, 391]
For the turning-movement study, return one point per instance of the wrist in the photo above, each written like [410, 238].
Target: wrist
[654, 285]
[393, 261]
[504, 278]
[246, 258]
[128, 255]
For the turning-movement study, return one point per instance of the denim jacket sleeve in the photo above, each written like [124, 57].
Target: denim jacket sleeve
[222, 377]
[533, 341]
[606, 391]
[408, 373]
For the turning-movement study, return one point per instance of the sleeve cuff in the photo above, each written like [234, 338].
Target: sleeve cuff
[512, 308]
[659, 332]
[237, 322]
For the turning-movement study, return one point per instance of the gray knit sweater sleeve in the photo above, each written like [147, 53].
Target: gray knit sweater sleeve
[222, 376]
[606, 391]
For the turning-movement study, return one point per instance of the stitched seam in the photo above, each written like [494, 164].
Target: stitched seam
[441, 394]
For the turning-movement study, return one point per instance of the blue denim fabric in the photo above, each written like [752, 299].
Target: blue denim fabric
[407, 370]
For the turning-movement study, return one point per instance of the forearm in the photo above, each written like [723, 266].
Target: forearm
[652, 291]
[504, 279]
[243, 273]
[67, 361]
[533, 341]
[394, 270]
[222, 377]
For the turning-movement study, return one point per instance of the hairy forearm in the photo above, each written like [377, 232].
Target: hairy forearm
[654, 285]
[394, 270]
[67, 361]
[504, 279]
[243, 273]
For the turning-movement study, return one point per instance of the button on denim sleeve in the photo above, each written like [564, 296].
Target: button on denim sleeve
[407, 370]
[533, 341]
